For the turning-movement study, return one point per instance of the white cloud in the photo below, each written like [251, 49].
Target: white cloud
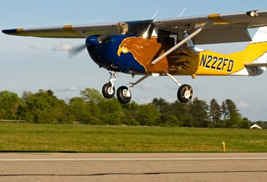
[69, 89]
[243, 105]
[146, 86]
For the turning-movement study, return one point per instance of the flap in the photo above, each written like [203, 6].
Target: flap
[223, 35]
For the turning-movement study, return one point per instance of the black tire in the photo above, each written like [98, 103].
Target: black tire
[122, 97]
[107, 91]
[185, 93]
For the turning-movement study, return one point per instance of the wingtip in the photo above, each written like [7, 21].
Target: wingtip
[9, 31]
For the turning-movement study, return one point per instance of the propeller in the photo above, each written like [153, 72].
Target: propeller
[76, 50]
[90, 41]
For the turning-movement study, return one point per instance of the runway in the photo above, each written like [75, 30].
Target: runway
[58, 167]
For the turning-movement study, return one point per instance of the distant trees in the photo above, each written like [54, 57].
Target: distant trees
[92, 108]
[9, 105]
[43, 107]
[215, 114]
[198, 110]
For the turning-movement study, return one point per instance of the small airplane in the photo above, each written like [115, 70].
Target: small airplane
[167, 48]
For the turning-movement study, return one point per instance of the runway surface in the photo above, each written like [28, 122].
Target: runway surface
[40, 167]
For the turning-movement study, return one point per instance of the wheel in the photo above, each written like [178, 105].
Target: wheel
[185, 93]
[124, 95]
[107, 91]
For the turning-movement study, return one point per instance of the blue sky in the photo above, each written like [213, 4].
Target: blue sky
[31, 64]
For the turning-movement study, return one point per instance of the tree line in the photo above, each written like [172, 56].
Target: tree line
[91, 108]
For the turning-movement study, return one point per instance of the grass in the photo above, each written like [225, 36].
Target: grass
[83, 138]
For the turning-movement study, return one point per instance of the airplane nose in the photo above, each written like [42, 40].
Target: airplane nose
[92, 41]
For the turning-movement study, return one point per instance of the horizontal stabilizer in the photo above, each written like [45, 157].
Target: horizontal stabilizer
[254, 65]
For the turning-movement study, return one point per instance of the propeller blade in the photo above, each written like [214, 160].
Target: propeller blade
[76, 50]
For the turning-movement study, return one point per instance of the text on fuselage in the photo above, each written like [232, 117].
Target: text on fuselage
[217, 63]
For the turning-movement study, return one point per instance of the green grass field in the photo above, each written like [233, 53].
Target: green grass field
[83, 138]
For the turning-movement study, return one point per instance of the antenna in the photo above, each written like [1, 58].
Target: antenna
[155, 15]
[181, 14]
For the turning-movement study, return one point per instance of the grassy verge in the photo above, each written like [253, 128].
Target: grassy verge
[82, 138]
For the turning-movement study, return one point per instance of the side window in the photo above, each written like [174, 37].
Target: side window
[167, 37]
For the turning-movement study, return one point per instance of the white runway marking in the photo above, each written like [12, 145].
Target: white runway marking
[130, 159]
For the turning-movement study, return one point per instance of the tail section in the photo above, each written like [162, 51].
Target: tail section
[260, 36]
[254, 57]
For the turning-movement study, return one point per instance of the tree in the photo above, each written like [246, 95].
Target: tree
[198, 110]
[148, 115]
[233, 117]
[9, 105]
[182, 114]
[90, 94]
[92, 108]
[44, 107]
[244, 123]
[167, 114]
[82, 112]
[111, 112]
[130, 116]
[77, 109]
[215, 113]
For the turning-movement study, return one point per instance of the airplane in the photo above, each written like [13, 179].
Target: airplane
[167, 47]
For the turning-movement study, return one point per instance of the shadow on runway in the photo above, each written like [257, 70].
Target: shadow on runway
[130, 174]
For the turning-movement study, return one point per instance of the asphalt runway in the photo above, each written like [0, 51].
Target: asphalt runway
[62, 167]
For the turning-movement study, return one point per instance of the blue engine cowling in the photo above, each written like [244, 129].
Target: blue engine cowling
[105, 54]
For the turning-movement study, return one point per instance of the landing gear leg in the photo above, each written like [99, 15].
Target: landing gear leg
[108, 89]
[124, 94]
[185, 92]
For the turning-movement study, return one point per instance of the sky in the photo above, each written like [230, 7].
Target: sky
[32, 63]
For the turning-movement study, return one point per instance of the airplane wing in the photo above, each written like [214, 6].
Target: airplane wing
[66, 31]
[80, 31]
[222, 28]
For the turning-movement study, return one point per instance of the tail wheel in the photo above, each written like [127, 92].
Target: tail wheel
[124, 95]
[108, 91]
[185, 93]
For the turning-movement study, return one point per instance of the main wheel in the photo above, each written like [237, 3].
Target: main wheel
[108, 91]
[124, 95]
[185, 93]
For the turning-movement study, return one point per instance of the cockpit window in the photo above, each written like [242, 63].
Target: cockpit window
[167, 37]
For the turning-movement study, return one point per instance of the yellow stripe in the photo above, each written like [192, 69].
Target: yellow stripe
[67, 27]
[216, 17]
[19, 30]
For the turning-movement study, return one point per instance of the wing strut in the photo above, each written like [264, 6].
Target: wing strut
[179, 44]
[83, 34]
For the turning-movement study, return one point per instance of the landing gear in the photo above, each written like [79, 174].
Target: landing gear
[124, 95]
[108, 90]
[185, 92]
